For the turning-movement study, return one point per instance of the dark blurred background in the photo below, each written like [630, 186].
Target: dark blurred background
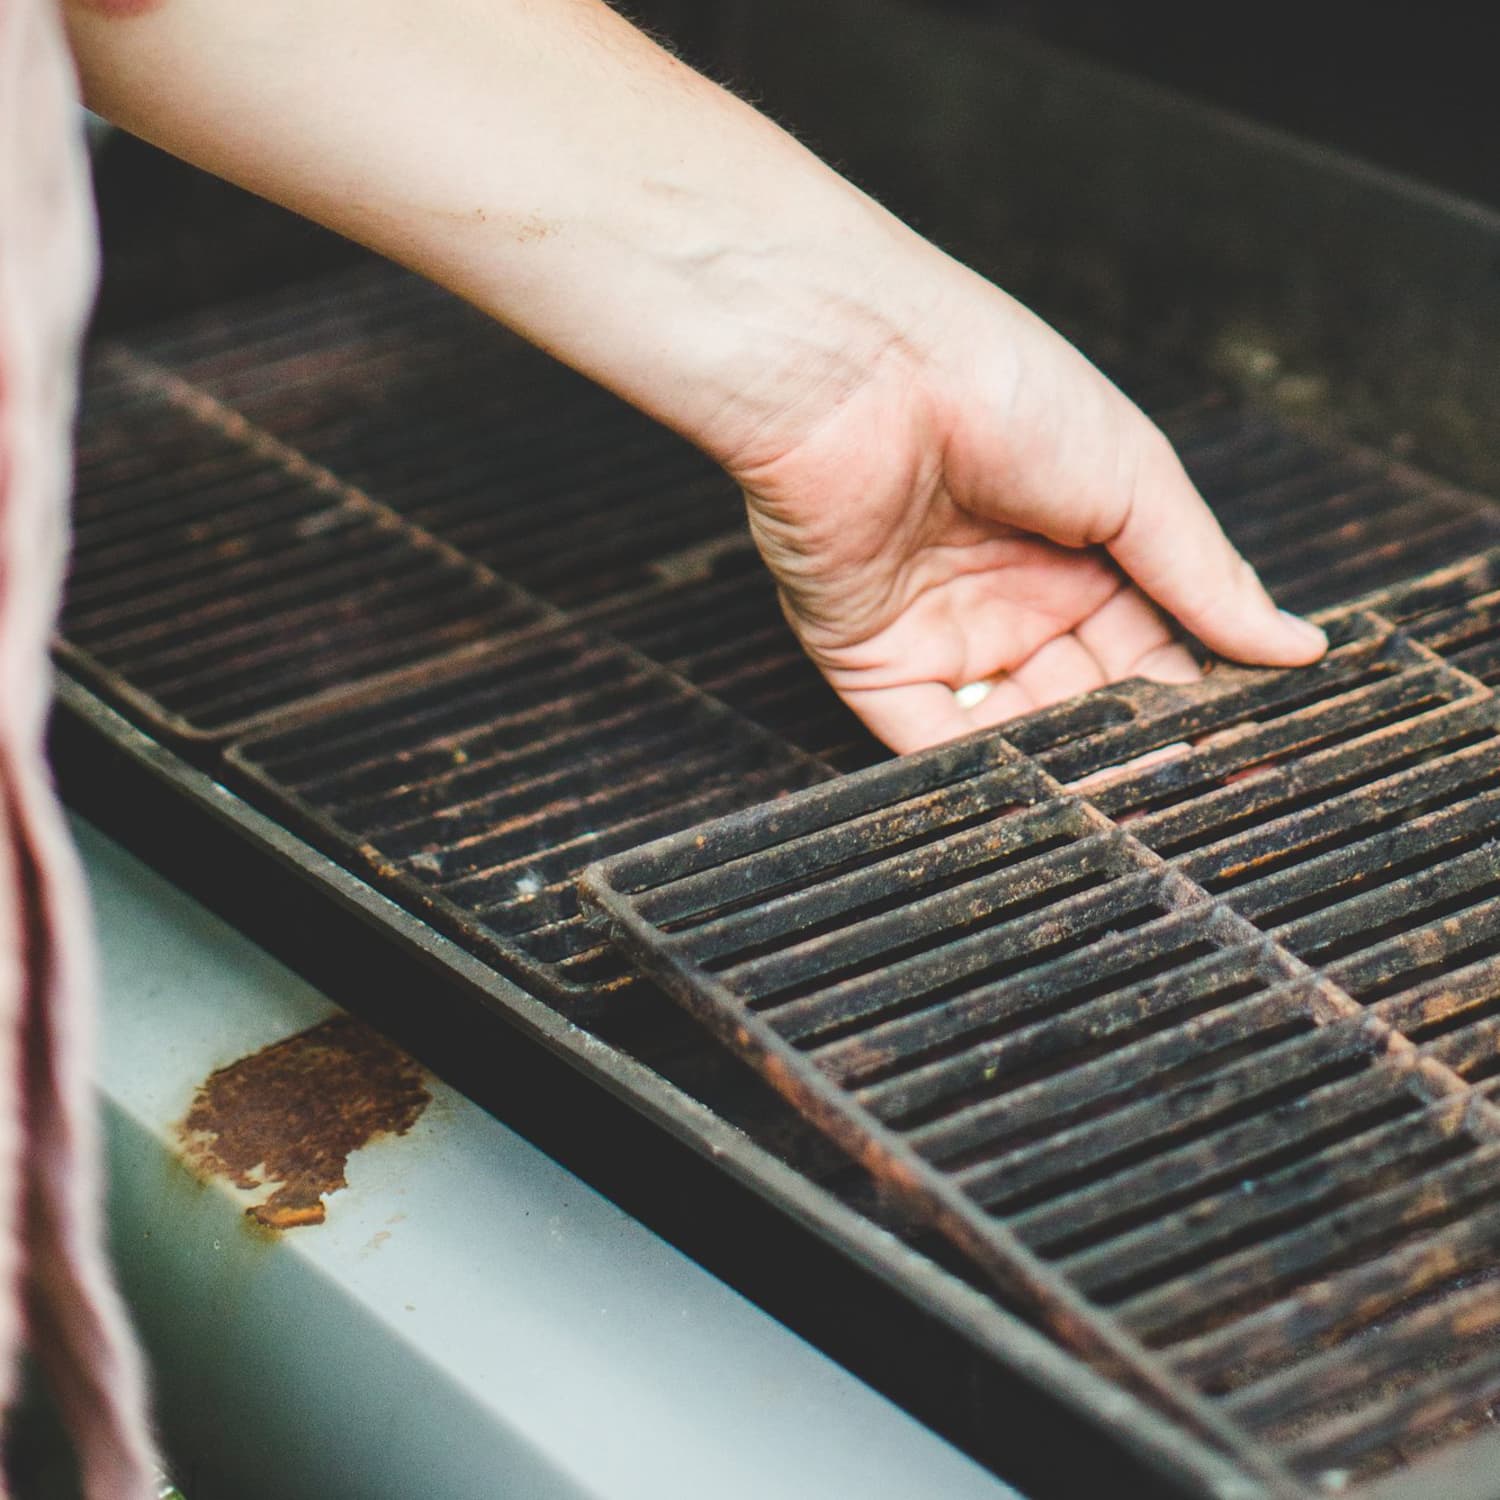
[1404, 85]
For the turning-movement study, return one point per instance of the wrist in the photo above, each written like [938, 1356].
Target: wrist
[796, 326]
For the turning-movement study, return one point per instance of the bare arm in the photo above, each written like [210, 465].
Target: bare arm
[946, 491]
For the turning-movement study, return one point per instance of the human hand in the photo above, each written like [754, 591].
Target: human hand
[945, 490]
[983, 506]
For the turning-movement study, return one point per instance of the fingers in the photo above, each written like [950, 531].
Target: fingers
[910, 717]
[1126, 636]
[1129, 637]
[1175, 550]
[1063, 668]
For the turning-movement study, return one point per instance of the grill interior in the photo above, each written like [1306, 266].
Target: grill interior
[294, 553]
[1171, 1011]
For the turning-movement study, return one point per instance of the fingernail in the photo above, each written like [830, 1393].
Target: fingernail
[1306, 630]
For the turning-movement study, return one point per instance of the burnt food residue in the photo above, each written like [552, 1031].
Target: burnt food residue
[293, 1112]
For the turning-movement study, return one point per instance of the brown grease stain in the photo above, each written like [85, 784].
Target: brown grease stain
[293, 1113]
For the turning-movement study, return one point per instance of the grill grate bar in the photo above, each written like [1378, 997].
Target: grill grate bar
[478, 790]
[948, 855]
[1015, 1113]
[1406, 1343]
[1402, 903]
[1061, 850]
[1184, 800]
[1399, 1419]
[1348, 1302]
[1196, 1106]
[1353, 1165]
[1326, 796]
[1082, 999]
[1237, 1150]
[1252, 1277]
[342, 594]
[887, 981]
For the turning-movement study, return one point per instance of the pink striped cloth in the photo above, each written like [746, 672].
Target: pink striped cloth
[55, 1290]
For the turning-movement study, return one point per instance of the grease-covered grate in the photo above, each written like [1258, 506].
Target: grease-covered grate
[220, 579]
[470, 433]
[477, 789]
[471, 624]
[1178, 1011]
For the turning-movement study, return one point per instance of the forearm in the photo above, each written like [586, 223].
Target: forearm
[546, 160]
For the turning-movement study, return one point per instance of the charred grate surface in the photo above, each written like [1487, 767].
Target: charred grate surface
[465, 429]
[477, 791]
[527, 468]
[1322, 523]
[219, 579]
[562, 488]
[1177, 1011]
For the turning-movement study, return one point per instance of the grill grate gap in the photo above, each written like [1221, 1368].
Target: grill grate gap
[1129, 1283]
[1074, 998]
[1188, 1199]
[989, 973]
[1086, 1111]
[1124, 1158]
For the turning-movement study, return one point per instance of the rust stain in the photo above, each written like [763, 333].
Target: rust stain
[294, 1112]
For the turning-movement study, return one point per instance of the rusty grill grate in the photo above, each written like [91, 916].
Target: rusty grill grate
[1323, 524]
[1178, 1011]
[480, 789]
[467, 431]
[220, 579]
[419, 402]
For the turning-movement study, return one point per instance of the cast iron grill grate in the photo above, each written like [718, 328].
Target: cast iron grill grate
[1178, 1011]
[219, 579]
[479, 788]
[470, 433]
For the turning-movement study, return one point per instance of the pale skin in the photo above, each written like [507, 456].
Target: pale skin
[945, 490]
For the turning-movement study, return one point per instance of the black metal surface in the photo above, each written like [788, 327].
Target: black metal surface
[470, 752]
[477, 791]
[219, 579]
[1175, 1009]
[464, 429]
[713, 1178]
[1322, 522]
[543, 476]
[303, 421]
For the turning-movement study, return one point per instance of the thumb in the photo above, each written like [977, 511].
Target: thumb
[1170, 544]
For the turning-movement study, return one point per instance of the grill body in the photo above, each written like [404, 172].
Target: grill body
[429, 617]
